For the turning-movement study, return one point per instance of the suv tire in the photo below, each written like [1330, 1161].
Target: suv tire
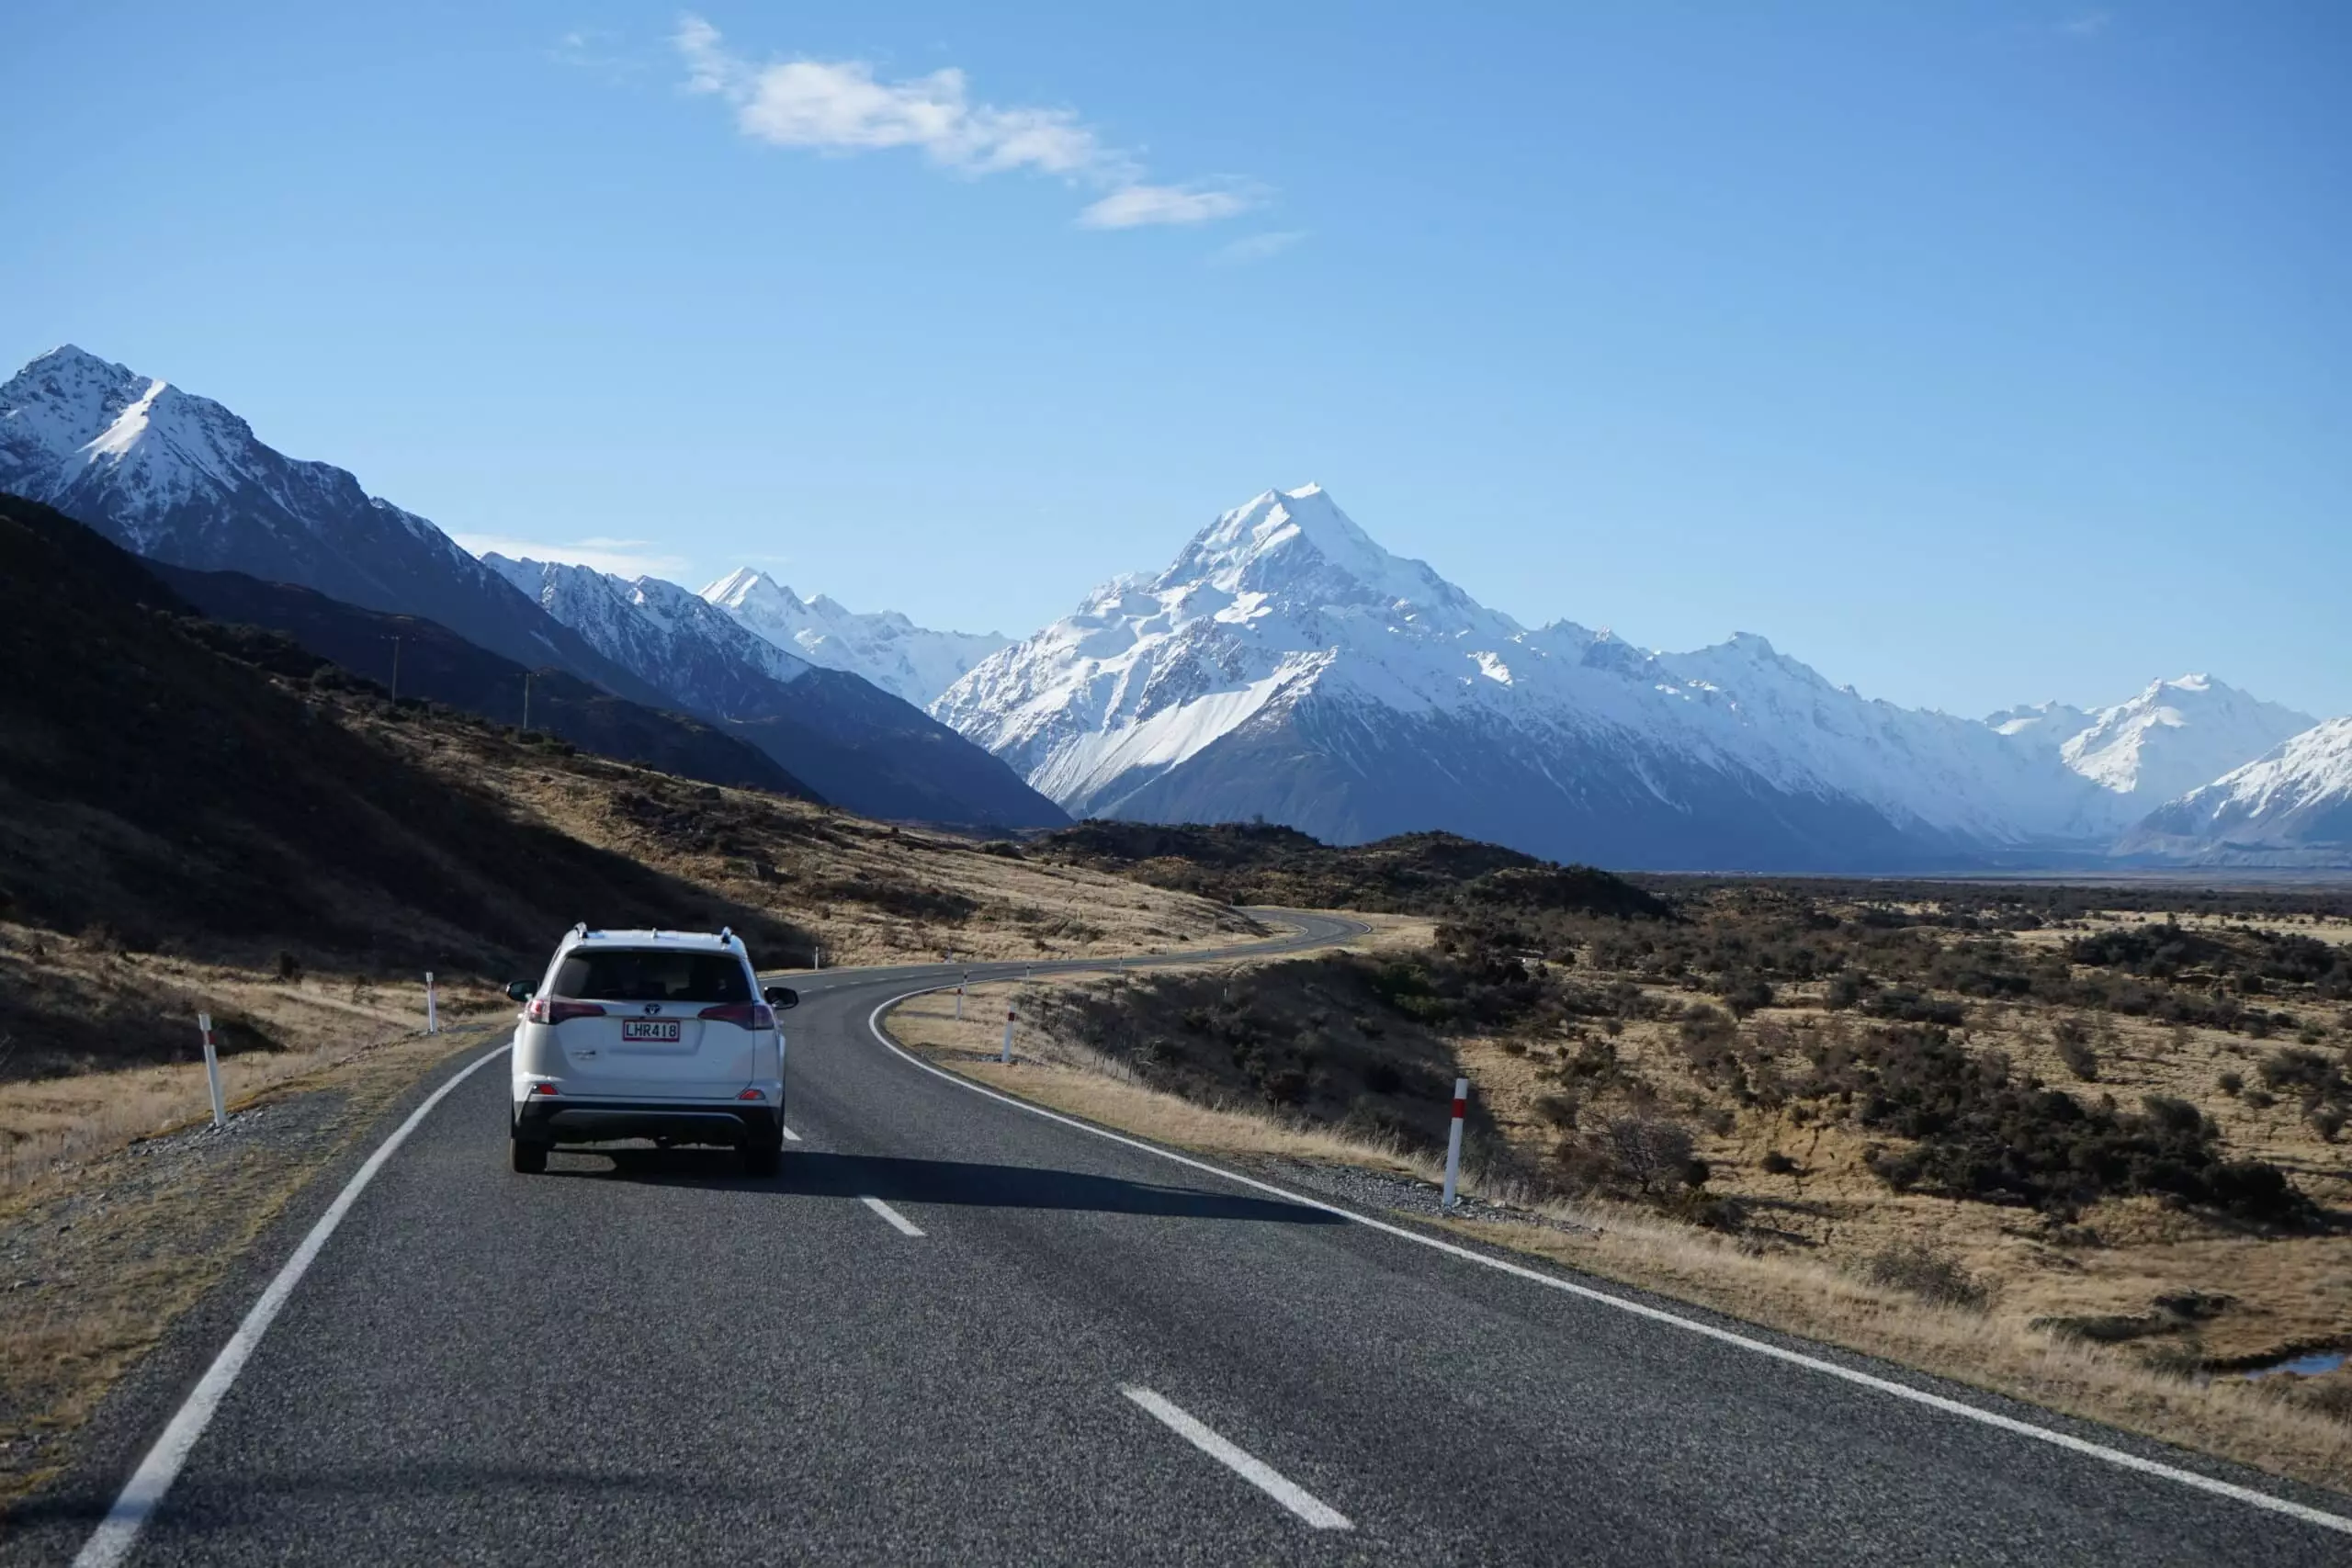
[528, 1158]
[762, 1161]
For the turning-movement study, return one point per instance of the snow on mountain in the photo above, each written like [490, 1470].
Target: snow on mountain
[1285, 663]
[693, 651]
[859, 746]
[2176, 735]
[1350, 678]
[2290, 806]
[885, 646]
[179, 477]
[2042, 728]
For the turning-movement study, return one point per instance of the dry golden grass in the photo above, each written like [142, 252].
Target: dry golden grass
[52, 1122]
[109, 1248]
[2057, 933]
[2290, 1291]
[808, 864]
[2293, 1291]
[1994, 1351]
[1068, 1076]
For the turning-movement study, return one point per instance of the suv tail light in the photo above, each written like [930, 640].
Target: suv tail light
[555, 1010]
[743, 1015]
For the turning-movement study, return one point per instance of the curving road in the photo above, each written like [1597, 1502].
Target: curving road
[957, 1331]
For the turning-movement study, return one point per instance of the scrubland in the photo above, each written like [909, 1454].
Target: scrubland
[2093, 1157]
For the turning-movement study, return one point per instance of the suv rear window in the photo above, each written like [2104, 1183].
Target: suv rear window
[652, 975]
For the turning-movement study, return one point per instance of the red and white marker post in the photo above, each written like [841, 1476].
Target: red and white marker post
[1453, 1140]
[212, 1070]
[1008, 1034]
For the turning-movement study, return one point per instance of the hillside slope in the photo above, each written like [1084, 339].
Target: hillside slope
[854, 742]
[2290, 808]
[152, 785]
[437, 664]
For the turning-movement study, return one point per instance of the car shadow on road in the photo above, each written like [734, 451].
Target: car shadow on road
[899, 1180]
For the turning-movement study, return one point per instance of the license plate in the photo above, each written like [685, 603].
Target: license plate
[650, 1029]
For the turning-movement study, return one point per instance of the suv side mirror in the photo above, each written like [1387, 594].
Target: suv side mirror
[782, 996]
[520, 990]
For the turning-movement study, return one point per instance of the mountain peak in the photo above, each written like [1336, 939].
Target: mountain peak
[885, 646]
[1297, 548]
[2175, 735]
[747, 586]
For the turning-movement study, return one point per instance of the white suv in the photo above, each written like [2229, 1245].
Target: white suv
[649, 1034]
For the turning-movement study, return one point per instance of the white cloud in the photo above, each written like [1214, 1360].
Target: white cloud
[1257, 247]
[2090, 23]
[1134, 206]
[839, 106]
[596, 50]
[624, 558]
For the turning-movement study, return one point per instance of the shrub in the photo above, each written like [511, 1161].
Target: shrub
[2230, 1082]
[1917, 1268]
[1778, 1163]
[1908, 1004]
[1845, 989]
[2076, 1051]
[1980, 1134]
[1559, 1110]
[1648, 1151]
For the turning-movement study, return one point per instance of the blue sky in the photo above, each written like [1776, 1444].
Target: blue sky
[1973, 354]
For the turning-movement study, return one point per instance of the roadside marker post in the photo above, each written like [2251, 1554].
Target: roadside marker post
[1007, 1057]
[1453, 1140]
[212, 1070]
[959, 996]
[431, 1007]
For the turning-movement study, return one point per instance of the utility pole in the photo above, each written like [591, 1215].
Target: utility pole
[396, 666]
[528, 677]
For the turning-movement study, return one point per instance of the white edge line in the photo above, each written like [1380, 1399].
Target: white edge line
[112, 1540]
[2066, 1441]
[1241, 1462]
[898, 1222]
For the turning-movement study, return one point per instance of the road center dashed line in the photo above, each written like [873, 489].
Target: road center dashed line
[790, 1136]
[1247, 1465]
[898, 1222]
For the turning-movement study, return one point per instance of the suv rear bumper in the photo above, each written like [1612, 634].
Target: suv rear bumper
[547, 1120]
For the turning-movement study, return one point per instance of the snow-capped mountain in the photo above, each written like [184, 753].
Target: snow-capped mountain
[2176, 736]
[179, 477]
[2290, 806]
[856, 744]
[885, 646]
[695, 653]
[1286, 665]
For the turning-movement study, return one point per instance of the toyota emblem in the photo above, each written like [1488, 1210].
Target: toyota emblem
[653, 1008]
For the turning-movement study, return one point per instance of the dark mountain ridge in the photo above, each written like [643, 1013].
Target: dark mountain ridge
[434, 663]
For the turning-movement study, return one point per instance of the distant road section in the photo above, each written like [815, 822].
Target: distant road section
[957, 1329]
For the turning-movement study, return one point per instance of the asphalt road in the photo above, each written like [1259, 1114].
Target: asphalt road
[646, 1357]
